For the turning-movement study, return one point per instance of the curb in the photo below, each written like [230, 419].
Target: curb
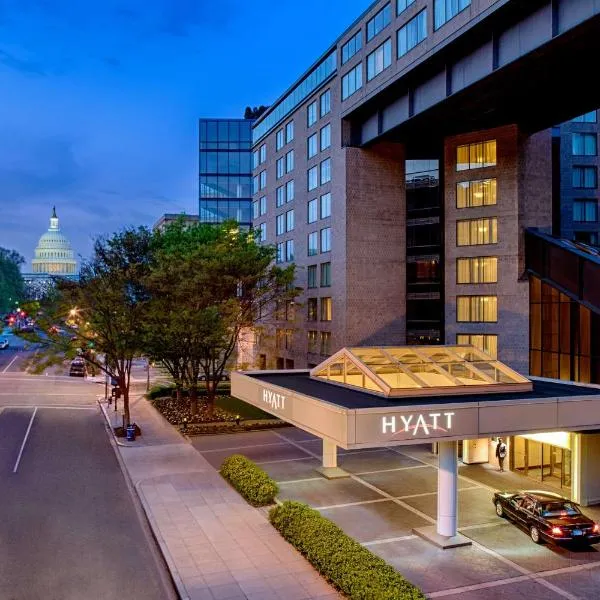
[110, 427]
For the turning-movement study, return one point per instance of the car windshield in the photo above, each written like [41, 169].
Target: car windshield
[559, 509]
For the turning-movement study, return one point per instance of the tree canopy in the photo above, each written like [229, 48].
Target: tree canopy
[11, 281]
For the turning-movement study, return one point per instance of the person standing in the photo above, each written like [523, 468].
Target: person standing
[501, 453]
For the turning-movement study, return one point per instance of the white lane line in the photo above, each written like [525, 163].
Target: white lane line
[240, 447]
[402, 538]
[283, 460]
[10, 363]
[300, 480]
[51, 406]
[42, 393]
[25, 440]
[392, 470]
[347, 504]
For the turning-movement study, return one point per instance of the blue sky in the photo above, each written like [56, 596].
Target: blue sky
[99, 100]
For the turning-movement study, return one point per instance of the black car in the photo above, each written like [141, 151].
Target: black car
[77, 368]
[548, 517]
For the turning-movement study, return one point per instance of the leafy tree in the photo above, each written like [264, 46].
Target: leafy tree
[254, 113]
[11, 281]
[100, 317]
[209, 283]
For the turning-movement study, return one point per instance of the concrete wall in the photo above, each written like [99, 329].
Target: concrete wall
[586, 479]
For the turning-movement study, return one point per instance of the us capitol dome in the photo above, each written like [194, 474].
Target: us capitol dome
[53, 254]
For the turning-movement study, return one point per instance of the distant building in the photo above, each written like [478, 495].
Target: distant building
[169, 218]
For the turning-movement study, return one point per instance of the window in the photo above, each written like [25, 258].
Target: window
[326, 305]
[313, 243]
[477, 309]
[289, 250]
[352, 81]
[412, 34]
[312, 145]
[263, 154]
[379, 22]
[255, 159]
[263, 180]
[325, 274]
[444, 10]
[325, 206]
[487, 343]
[311, 114]
[585, 177]
[280, 196]
[289, 132]
[280, 253]
[325, 342]
[312, 211]
[255, 210]
[379, 60]
[263, 205]
[476, 156]
[280, 168]
[325, 101]
[475, 193]
[311, 307]
[584, 144]
[263, 232]
[585, 211]
[325, 137]
[312, 338]
[587, 237]
[326, 240]
[313, 178]
[255, 184]
[280, 142]
[289, 191]
[326, 171]
[280, 224]
[475, 232]
[403, 5]
[587, 118]
[312, 276]
[289, 220]
[479, 269]
[289, 161]
[351, 47]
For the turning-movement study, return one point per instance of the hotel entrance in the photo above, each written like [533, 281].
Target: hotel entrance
[544, 457]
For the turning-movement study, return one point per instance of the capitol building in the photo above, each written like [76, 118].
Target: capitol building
[53, 254]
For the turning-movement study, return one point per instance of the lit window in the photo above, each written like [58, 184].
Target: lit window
[475, 232]
[444, 10]
[487, 343]
[476, 156]
[313, 178]
[312, 276]
[477, 309]
[325, 342]
[289, 161]
[312, 337]
[479, 269]
[379, 60]
[325, 206]
[325, 137]
[326, 171]
[413, 33]
[325, 101]
[313, 243]
[351, 47]
[325, 274]
[352, 81]
[289, 191]
[326, 240]
[476, 193]
[326, 309]
[311, 307]
[312, 211]
[311, 114]
[289, 220]
[379, 22]
[312, 145]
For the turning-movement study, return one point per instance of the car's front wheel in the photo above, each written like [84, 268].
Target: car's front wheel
[534, 532]
[499, 509]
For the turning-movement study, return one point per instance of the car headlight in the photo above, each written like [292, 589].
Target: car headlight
[596, 528]
[557, 531]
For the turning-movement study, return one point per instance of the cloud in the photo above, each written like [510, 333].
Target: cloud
[28, 67]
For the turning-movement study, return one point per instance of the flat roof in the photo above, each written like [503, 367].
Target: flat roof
[302, 383]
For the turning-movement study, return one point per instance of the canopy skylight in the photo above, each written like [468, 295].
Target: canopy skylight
[419, 371]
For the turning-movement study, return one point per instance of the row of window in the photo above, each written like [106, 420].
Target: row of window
[319, 210]
[285, 164]
[477, 232]
[477, 155]
[259, 182]
[259, 207]
[319, 174]
[259, 156]
[325, 342]
[487, 343]
[324, 106]
[477, 309]
[284, 136]
[312, 144]
[285, 193]
[284, 223]
[285, 251]
[585, 144]
[319, 241]
[585, 210]
[476, 193]
[312, 309]
[477, 269]
[585, 177]
[325, 272]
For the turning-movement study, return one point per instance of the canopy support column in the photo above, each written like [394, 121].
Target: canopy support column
[329, 468]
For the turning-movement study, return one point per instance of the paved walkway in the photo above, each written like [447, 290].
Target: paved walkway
[217, 547]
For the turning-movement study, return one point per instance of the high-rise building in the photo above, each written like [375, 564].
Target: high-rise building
[225, 153]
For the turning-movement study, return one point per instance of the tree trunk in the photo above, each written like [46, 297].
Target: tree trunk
[194, 401]
[210, 397]
[126, 412]
[178, 393]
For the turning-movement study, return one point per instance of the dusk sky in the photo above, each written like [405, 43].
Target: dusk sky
[99, 101]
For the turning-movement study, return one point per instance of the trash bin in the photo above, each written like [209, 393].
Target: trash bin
[131, 433]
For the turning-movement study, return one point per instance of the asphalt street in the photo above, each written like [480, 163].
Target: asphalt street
[69, 527]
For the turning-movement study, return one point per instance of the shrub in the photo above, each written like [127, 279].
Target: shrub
[249, 480]
[350, 567]
[160, 390]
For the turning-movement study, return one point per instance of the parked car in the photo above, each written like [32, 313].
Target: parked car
[77, 368]
[3, 343]
[548, 517]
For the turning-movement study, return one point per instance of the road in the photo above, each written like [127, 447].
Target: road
[69, 527]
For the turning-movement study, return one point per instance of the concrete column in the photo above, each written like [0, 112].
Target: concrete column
[329, 454]
[447, 489]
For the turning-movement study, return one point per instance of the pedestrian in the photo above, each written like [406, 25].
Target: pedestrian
[501, 453]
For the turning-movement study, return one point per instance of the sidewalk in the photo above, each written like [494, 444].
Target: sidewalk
[217, 546]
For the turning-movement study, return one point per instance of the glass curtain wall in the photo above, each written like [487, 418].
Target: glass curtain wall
[226, 170]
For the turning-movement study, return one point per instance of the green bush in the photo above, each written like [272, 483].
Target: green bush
[350, 567]
[160, 390]
[249, 480]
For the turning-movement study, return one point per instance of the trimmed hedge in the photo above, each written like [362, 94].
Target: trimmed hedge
[350, 567]
[249, 480]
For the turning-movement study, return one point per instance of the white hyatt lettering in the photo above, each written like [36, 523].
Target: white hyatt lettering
[275, 401]
[391, 423]
[421, 422]
[388, 424]
[406, 421]
[449, 420]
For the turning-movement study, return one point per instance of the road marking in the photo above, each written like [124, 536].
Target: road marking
[240, 447]
[402, 538]
[51, 406]
[300, 480]
[31, 393]
[25, 440]
[10, 363]
[392, 470]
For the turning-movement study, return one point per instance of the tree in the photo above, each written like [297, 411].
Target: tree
[254, 113]
[208, 283]
[11, 282]
[100, 317]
